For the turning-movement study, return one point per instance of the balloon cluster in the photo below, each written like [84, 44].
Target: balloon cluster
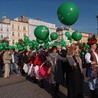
[3, 46]
[76, 35]
[63, 43]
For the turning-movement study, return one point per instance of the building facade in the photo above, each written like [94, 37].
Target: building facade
[4, 31]
[33, 23]
[17, 31]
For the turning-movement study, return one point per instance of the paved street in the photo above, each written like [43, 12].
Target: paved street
[19, 87]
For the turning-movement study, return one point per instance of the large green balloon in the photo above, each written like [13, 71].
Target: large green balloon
[41, 32]
[54, 35]
[76, 35]
[68, 13]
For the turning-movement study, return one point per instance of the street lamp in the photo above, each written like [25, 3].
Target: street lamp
[97, 23]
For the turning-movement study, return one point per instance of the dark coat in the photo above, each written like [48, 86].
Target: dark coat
[1, 61]
[74, 79]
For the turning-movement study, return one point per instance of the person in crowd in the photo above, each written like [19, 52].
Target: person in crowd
[40, 49]
[7, 61]
[74, 73]
[56, 74]
[20, 62]
[63, 54]
[46, 52]
[39, 60]
[32, 59]
[91, 58]
[26, 59]
[14, 66]
[16, 56]
[1, 63]
[59, 49]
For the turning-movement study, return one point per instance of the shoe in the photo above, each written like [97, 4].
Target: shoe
[6, 77]
[18, 75]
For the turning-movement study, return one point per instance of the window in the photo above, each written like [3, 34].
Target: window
[7, 36]
[12, 26]
[13, 42]
[24, 28]
[12, 33]
[1, 29]
[1, 36]
[7, 29]
[24, 34]
[18, 34]
[18, 27]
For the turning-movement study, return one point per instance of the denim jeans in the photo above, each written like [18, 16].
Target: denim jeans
[93, 83]
[14, 67]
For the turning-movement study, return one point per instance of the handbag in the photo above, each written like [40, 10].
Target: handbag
[26, 68]
[49, 70]
[31, 71]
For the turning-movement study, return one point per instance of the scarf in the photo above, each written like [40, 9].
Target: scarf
[80, 63]
[53, 57]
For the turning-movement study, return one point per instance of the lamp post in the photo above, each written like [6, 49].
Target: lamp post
[97, 24]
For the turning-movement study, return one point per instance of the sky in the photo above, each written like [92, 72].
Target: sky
[46, 10]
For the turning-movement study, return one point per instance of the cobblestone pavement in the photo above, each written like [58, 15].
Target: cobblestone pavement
[19, 87]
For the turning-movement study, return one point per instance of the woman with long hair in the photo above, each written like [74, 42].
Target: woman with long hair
[74, 74]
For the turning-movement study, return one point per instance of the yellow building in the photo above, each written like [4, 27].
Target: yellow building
[17, 31]
[85, 37]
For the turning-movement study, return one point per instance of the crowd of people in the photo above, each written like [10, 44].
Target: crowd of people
[52, 64]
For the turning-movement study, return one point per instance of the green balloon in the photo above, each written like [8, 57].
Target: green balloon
[87, 46]
[4, 43]
[47, 40]
[70, 41]
[26, 38]
[1, 44]
[69, 37]
[54, 35]
[10, 47]
[16, 43]
[86, 51]
[40, 41]
[41, 32]
[67, 34]
[1, 47]
[68, 13]
[76, 35]
[82, 53]
[24, 48]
